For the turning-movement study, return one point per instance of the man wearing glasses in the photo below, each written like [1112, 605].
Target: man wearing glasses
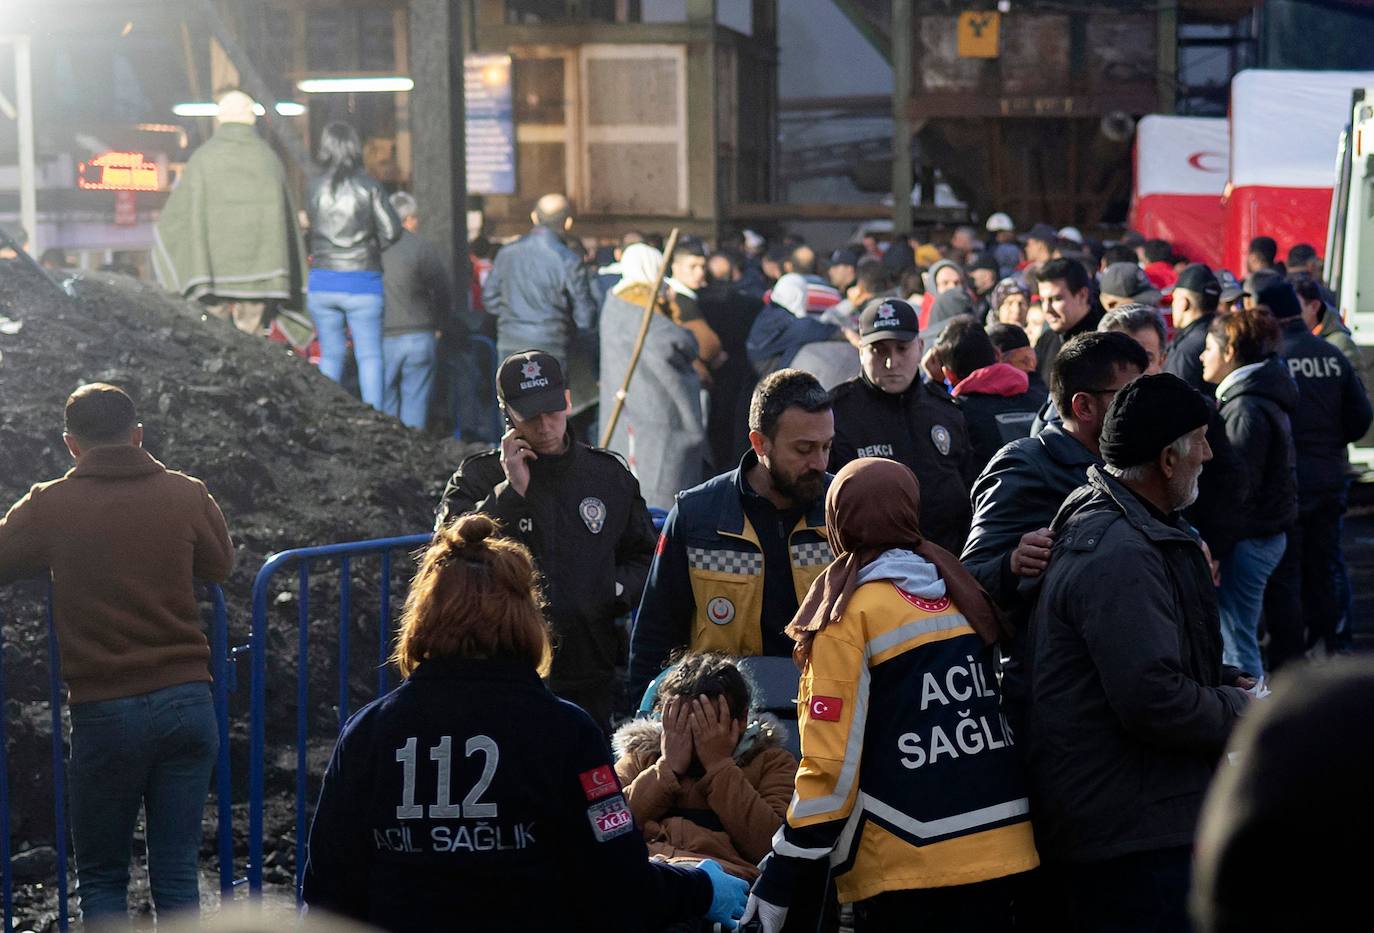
[1018, 493]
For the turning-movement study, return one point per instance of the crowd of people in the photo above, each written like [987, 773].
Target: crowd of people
[1036, 517]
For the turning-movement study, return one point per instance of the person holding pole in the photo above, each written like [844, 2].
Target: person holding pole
[661, 430]
[579, 511]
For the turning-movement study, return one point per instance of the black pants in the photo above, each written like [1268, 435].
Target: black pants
[966, 907]
[1146, 892]
[1303, 602]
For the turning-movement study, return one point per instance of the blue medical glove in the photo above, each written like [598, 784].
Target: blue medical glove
[728, 895]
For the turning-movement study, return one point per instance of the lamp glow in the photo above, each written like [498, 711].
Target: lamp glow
[354, 85]
[204, 108]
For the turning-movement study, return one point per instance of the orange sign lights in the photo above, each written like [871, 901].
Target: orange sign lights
[118, 171]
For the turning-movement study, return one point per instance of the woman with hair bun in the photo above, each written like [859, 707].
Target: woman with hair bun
[1257, 398]
[470, 797]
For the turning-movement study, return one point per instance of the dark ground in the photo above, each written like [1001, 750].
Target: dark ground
[292, 459]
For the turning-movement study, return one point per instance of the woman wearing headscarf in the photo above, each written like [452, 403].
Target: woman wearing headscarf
[661, 431]
[909, 783]
[1009, 303]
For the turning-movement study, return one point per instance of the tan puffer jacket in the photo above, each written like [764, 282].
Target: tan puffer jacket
[729, 813]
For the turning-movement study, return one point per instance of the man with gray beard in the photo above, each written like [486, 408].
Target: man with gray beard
[1128, 712]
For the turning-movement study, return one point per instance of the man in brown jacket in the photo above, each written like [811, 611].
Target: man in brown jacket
[123, 538]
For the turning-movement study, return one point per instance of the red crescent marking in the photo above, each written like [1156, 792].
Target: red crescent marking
[1195, 160]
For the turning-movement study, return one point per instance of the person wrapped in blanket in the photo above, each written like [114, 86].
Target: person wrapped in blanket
[709, 777]
[909, 783]
[470, 797]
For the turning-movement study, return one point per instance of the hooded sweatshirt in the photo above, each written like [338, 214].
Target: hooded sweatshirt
[1257, 402]
[123, 538]
[998, 407]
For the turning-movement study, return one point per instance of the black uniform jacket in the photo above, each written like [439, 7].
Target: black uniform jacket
[922, 428]
[587, 526]
[471, 798]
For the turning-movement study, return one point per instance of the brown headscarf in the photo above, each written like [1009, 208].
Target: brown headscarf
[873, 506]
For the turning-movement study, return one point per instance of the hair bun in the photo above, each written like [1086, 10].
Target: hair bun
[475, 528]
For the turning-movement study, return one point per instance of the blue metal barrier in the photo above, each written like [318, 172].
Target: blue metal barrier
[222, 685]
[382, 548]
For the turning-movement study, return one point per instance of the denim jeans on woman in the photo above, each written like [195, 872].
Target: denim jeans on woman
[337, 315]
[156, 749]
[1240, 599]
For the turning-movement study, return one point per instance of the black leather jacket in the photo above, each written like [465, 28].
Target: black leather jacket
[350, 224]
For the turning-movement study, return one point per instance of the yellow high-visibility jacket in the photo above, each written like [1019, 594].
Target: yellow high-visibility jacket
[909, 776]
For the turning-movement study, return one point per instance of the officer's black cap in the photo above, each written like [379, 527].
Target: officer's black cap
[1197, 278]
[531, 383]
[888, 319]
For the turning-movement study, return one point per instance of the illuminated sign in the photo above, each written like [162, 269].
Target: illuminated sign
[119, 171]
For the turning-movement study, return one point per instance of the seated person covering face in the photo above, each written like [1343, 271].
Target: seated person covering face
[707, 778]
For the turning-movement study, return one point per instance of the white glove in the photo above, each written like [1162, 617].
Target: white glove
[771, 917]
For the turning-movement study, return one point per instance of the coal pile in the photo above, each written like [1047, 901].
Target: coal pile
[292, 458]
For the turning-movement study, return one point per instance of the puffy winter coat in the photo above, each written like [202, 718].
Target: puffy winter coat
[1257, 402]
[728, 813]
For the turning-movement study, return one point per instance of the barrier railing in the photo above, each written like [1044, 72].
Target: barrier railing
[222, 685]
[301, 558]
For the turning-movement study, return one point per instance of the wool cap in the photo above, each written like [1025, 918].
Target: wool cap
[1147, 415]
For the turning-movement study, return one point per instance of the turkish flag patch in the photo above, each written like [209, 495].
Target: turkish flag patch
[826, 709]
[599, 782]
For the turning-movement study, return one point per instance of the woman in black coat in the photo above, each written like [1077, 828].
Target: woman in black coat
[1257, 398]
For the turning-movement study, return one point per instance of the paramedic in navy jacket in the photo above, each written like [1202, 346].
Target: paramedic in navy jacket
[471, 797]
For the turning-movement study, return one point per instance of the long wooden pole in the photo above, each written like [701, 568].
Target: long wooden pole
[639, 341]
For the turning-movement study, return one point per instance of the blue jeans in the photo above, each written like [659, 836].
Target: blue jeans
[409, 380]
[1241, 598]
[336, 316]
[156, 749]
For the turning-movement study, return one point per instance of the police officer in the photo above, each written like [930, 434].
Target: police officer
[888, 411]
[1333, 410]
[471, 798]
[579, 511]
[739, 552]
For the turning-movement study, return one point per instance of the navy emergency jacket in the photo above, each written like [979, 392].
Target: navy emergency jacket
[472, 798]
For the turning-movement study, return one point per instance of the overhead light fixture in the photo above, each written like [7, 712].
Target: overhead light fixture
[207, 108]
[358, 85]
[196, 109]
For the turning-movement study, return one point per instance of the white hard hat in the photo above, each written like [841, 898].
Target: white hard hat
[1000, 223]
[1071, 233]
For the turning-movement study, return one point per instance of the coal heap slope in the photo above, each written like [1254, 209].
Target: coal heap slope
[292, 458]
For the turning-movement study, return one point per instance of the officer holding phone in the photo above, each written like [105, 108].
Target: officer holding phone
[579, 511]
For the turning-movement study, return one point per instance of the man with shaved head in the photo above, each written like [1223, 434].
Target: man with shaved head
[538, 288]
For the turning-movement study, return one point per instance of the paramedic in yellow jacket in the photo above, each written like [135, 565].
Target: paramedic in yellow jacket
[909, 782]
[739, 552]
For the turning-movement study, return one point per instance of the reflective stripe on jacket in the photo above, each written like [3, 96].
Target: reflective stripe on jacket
[909, 777]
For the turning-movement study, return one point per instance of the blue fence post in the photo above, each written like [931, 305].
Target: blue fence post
[59, 768]
[258, 645]
[384, 625]
[5, 797]
[345, 592]
[302, 717]
[219, 671]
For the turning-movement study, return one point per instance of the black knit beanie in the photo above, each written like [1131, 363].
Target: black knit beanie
[1147, 415]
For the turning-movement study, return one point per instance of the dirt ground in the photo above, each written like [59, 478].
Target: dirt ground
[293, 460]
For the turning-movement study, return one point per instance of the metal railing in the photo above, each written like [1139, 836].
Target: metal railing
[222, 672]
[301, 558]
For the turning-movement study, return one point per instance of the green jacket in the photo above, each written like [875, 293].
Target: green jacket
[229, 227]
[1336, 334]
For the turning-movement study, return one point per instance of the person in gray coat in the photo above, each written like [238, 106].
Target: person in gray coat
[538, 289]
[1130, 708]
[661, 431]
